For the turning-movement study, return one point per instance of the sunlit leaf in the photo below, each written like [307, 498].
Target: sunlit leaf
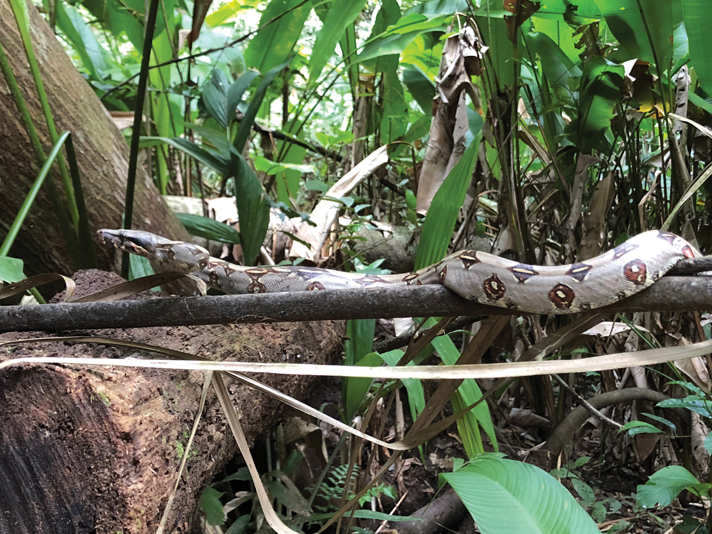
[208, 228]
[664, 485]
[341, 15]
[274, 42]
[517, 498]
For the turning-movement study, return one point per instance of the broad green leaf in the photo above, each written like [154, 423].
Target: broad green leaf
[212, 136]
[700, 102]
[643, 29]
[211, 505]
[397, 37]
[262, 164]
[228, 10]
[240, 525]
[441, 7]
[420, 86]
[252, 208]
[94, 58]
[468, 393]
[508, 497]
[11, 270]
[599, 93]
[215, 97]
[692, 403]
[355, 389]
[192, 149]
[394, 121]
[697, 15]
[424, 52]
[243, 132]
[341, 15]
[414, 387]
[708, 443]
[445, 208]
[640, 427]
[115, 16]
[664, 485]
[235, 92]
[208, 228]
[501, 50]
[274, 42]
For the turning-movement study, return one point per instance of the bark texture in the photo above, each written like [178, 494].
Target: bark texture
[101, 151]
[97, 450]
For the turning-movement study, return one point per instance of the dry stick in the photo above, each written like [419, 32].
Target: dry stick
[693, 293]
[589, 407]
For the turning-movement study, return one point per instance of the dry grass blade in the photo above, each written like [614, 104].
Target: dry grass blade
[234, 421]
[184, 460]
[35, 281]
[126, 289]
[432, 372]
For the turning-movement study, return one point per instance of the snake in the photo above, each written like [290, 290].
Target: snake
[474, 275]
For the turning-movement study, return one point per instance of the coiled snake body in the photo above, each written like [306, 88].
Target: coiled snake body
[477, 276]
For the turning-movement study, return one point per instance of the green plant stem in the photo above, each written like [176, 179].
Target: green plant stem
[19, 8]
[136, 131]
[12, 84]
[30, 198]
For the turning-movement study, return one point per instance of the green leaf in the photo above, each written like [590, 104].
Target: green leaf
[504, 496]
[697, 15]
[240, 525]
[228, 10]
[643, 29]
[640, 427]
[341, 15]
[208, 228]
[394, 121]
[215, 97]
[445, 208]
[94, 57]
[700, 102]
[692, 403]
[274, 42]
[266, 166]
[468, 393]
[398, 36]
[252, 208]
[235, 92]
[420, 86]
[212, 507]
[192, 149]
[708, 443]
[243, 132]
[662, 487]
[11, 270]
[355, 389]
[414, 387]
[119, 18]
[599, 93]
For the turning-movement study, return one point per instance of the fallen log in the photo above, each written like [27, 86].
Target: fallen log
[88, 450]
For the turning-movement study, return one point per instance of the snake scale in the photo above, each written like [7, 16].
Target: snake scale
[608, 278]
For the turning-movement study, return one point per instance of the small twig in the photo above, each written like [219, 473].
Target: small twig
[587, 404]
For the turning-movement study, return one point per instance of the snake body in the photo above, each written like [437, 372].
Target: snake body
[608, 278]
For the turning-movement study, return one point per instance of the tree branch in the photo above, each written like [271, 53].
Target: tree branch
[669, 294]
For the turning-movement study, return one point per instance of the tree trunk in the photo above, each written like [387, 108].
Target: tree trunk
[102, 155]
[97, 450]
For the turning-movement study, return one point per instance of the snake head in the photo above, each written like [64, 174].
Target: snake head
[133, 241]
[167, 255]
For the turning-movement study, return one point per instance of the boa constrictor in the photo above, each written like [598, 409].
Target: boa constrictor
[477, 276]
